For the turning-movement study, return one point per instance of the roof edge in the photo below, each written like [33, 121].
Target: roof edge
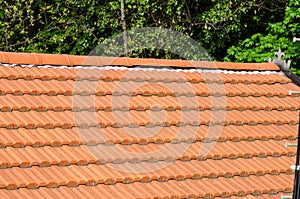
[78, 60]
[287, 72]
[284, 66]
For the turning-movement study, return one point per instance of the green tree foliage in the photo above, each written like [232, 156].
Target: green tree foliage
[72, 27]
[78, 26]
[262, 45]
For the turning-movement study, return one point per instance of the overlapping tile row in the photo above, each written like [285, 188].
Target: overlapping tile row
[93, 174]
[262, 196]
[133, 118]
[74, 60]
[63, 74]
[204, 188]
[118, 154]
[39, 137]
[69, 87]
[145, 134]
[10, 102]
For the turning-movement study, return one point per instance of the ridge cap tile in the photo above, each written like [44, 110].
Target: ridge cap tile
[77, 60]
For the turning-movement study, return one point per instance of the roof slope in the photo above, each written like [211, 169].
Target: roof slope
[75, 126]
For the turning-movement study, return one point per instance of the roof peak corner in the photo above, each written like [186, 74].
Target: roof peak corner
[283, 64]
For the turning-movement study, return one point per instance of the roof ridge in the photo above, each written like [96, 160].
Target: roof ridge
[77, 60]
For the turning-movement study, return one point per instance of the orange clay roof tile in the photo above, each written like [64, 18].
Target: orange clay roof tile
[171, 188]
[69, 87]
[168, 129]
[73, 60]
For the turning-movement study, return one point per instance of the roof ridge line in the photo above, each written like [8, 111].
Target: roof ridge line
[79, 60]
[200, 69]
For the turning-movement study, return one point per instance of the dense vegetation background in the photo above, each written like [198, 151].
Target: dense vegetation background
[230, 30]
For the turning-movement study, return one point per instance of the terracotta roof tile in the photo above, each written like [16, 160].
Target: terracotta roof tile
[73, 60]
[65, 119]
[154, 129]
[200, 188]
[68, 155]
[54, 137]
[18, 72]
[69, 87]
[74, 175]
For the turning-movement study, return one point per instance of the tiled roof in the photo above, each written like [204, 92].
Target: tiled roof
[96, 127]
[73, 60]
